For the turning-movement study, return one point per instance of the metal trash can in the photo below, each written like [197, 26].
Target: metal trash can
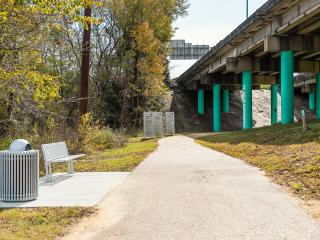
[19, 173]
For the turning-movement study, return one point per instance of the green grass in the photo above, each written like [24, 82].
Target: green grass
[288, 154]
[51, 223]
[120, 159]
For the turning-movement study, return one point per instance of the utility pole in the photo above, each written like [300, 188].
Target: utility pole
[85, 64]
[247, 8]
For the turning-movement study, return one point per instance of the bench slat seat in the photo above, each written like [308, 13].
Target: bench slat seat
[67, 158]
[57, 153]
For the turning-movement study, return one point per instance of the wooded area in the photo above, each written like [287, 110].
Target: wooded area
[40, 61]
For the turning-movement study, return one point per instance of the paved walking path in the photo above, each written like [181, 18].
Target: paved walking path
[185, 191]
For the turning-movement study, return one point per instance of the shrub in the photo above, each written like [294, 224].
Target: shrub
[95, 137]
[105, 138]
[5, 143]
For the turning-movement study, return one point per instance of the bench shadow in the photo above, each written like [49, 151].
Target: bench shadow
[56, 180]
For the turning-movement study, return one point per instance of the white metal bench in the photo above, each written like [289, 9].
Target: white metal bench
[57, 152]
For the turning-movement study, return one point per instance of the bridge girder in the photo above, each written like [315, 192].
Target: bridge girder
[236, 79]
[268, 65]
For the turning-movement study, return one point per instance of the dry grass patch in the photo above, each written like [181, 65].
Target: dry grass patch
[41, 223]
[288, 154]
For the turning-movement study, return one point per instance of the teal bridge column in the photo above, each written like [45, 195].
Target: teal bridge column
[247, 99]
[287, 88]
[318, 96]
[226, 104]
[216, 108]
[200, 101]
[312, 100]
[274, 104]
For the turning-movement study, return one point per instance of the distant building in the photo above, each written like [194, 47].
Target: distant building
[186, 51]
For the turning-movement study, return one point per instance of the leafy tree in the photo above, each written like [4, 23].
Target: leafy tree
[40, 57]
[143, 30]
[27, 44]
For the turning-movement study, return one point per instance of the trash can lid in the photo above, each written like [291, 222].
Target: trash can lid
[20, 145]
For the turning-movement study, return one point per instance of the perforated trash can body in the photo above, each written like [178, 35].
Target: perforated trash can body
[19, 175]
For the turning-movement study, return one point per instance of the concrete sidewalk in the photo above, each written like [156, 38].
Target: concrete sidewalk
[185, 191]
[76, 190]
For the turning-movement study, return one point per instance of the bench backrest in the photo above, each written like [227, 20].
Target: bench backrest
[54, 151]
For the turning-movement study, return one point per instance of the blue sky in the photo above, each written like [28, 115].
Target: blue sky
[208, 22]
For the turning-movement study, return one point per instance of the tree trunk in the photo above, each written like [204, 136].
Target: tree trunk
[85, 65]
[10, 106]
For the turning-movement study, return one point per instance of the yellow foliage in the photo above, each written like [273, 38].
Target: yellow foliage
[25, 28]
[151, 64]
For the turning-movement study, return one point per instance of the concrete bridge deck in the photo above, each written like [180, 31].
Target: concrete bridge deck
[279, 39]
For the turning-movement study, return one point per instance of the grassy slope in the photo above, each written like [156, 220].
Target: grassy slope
[50, 223]
[287, 153]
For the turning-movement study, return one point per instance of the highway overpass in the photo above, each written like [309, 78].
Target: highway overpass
[280, 39]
